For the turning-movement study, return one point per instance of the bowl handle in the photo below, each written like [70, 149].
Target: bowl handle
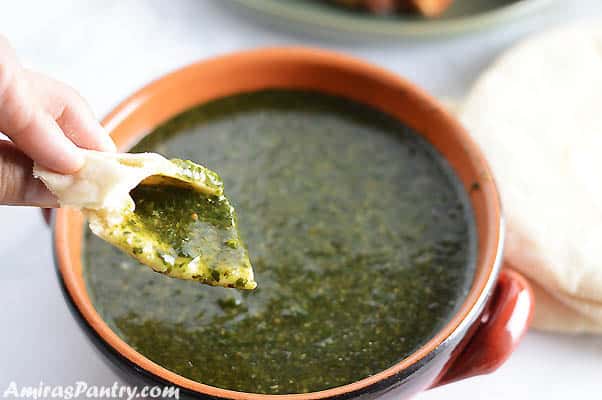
[499, 331]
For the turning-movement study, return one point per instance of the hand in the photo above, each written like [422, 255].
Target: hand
[46, 121]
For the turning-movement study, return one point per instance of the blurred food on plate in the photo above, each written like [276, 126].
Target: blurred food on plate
[428, 8]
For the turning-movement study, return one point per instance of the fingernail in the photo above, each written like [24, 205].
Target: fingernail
[79, 158]
[107, 142]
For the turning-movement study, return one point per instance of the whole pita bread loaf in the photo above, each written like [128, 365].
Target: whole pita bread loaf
[537, 115]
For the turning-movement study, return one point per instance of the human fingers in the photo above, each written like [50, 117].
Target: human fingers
[71, 112]
[17, 184]
[29, 125]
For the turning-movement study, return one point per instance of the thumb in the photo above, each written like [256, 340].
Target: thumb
[17, 184]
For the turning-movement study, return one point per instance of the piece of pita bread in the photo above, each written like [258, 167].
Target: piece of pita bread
[101, 189]
[537, 116]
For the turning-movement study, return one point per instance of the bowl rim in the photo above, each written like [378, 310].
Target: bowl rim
[482, 287]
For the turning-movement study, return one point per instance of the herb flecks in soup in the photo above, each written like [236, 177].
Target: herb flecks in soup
[185, 234]
[360, 236]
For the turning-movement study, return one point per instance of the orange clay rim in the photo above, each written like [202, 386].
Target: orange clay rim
[295, 68]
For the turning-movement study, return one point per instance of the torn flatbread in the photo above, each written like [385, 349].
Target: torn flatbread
[171, 215]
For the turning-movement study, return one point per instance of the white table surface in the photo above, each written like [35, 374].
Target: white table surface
[107, 49]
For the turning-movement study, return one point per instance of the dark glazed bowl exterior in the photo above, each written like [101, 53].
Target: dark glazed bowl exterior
[478, 338]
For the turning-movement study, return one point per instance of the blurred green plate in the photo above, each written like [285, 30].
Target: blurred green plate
[462, 16]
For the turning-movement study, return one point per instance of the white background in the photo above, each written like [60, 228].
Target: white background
[107, 49]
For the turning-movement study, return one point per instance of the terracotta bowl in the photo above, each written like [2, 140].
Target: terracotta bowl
[477, 339]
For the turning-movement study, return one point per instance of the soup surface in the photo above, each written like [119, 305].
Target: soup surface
[360, 236]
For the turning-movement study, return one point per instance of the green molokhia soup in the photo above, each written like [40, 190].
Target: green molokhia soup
[361, 238]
